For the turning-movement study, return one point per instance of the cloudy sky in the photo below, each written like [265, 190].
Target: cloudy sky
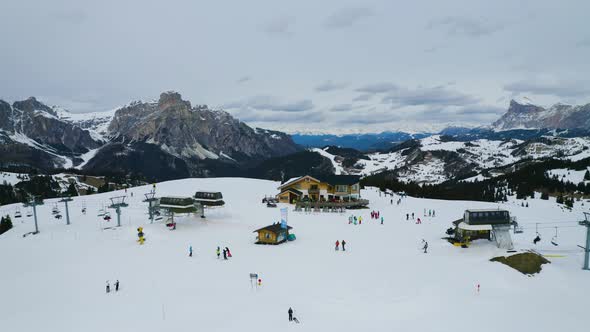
[313, 66]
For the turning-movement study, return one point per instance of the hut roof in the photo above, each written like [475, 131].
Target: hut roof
[275, 228]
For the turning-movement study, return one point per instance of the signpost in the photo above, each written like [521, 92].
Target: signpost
[284, 218]
[254, 276]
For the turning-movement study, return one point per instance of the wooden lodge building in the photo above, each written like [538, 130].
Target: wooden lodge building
[272, 234]
[333, 188]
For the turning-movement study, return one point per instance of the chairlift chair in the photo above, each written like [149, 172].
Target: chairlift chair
[554, 239]
[29, 213]
[17, 214]
[58, 216]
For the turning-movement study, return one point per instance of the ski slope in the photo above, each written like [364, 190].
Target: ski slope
[55, 281]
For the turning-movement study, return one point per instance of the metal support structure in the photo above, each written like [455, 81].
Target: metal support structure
[33, 203]
[66, 200]
[117, 203]
[151, 198]
[586, 223]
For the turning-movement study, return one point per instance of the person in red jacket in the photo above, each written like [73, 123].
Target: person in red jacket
[337, 245]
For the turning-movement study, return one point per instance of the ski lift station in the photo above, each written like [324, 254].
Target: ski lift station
[492, 225]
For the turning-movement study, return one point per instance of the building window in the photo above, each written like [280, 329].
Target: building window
[341, 188]
[355, 187]
[267, 236]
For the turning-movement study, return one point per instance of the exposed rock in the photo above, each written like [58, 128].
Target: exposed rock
[558, 116]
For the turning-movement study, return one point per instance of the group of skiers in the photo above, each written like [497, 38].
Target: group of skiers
[376, 215]
[355, 220]
[431, 213]
[399, 201]
[108, 288]
[338, 243]
[226, 253]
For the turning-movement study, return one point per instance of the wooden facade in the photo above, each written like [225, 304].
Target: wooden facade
[329, 189]
[272, 234]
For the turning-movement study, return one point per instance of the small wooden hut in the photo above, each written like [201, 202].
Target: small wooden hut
[272, 234]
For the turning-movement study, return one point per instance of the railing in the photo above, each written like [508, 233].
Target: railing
[351, 203]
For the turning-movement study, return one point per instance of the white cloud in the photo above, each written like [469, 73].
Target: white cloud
[346, 17]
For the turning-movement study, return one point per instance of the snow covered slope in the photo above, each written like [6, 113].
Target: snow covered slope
[54, 281]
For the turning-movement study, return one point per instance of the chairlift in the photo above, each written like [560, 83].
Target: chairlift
[55, 209]
[538, 237]
[17, 214]
[554, 239]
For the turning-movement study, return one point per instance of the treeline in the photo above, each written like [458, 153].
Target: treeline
[45, 186]
[524, 182]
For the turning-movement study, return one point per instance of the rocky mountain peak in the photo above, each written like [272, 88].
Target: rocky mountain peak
[517, 107]
[559, 116]
[170, 99]
[32, 104]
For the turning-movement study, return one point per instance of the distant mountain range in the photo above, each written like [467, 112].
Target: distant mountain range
[163, 139]
[521, 121]
[170, 138]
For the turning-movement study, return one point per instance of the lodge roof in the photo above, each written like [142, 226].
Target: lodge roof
[340, 179]
[293, 190]
[330, 179]
[275, 228]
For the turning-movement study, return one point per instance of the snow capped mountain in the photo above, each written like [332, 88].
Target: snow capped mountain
[437, 158]
[167, 137]
[527, 115]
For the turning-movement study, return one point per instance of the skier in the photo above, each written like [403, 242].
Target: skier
[228, 252]
[224, 254]
[337, 245]
[433, 213]
[391, 202]
[360, 220]
[418, 221]
[343, 243]
[536, 239]
[425, 212]
[218, 251]
[190, 251]
[412, 215]
[430, 213]
[290, 314]
[407, 216]
[425, 246]
[381, 220]
[117, 286]
[108, 287]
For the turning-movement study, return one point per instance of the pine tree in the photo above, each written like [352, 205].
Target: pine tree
[72, 190]
[587, 175]
[545, 195]
[5, 224]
